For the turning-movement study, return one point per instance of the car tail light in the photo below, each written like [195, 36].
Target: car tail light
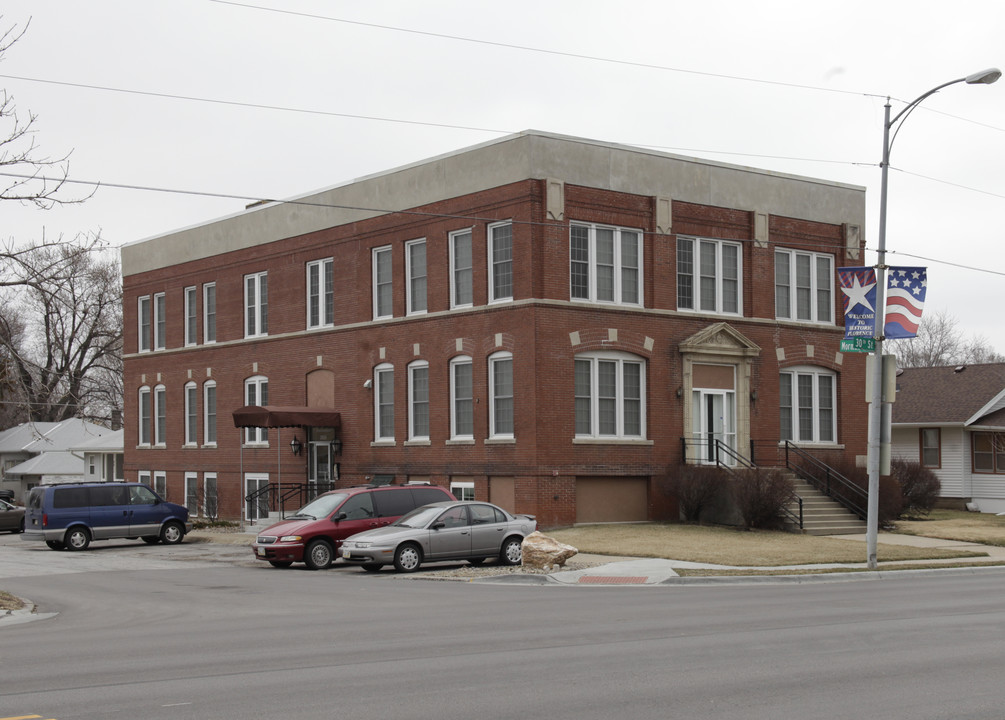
[45, 520]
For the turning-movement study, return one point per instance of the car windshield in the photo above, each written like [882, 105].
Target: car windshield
[321, 507]
[420, 517]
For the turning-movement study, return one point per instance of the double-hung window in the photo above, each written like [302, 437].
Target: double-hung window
[191, 414]
[415, 268]
[256, 392]
[209, 313]
[931, 447]
[709, 276]
[461, 399]
[605, 264]
[382, 296]
[808, 400]
[320, 294]
[610, 390]
[383, 383]
[209, 412]
[191, 315]
[160, 321]
[143, 318]
[500, 256]
[501, 395]
[418, 400]
[256, 305]
[144, 415]
[804, 286]
[160, 415]
[460, 269]
[988, 450]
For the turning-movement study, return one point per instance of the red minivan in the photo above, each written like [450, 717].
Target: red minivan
[315, 533]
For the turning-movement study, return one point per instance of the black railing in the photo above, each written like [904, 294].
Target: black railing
[276, 497]
[826, 479]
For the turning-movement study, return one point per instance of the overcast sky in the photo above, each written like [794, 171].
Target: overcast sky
[275, 98]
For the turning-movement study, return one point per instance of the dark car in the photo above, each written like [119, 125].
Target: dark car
[458, 530]
[314, 534]
[11, 517]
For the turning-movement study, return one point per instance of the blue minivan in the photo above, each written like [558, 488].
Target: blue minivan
[70, 516]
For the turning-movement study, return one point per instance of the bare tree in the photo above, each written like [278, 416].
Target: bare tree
[61, 336]
[940, 342]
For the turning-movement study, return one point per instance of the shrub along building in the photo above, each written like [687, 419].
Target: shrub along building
[549, 323]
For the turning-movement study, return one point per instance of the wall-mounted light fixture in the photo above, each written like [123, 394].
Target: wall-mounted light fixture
[295, 445]
[368, 383]
[753, 396]
[680, 392]
[336, 446]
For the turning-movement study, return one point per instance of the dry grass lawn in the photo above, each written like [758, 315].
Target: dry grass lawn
[726, 546]
[957, 525]
[9, 602]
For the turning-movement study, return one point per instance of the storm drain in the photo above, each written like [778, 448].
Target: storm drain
[611, 580]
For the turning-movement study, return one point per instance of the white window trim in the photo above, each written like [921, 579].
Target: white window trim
[494, 434]
[411, 294]
[618, 269]
[159, 321]
[377, 402]
[490, 246]
[816, 372]
[696, 276]
[145, 432]
[261, 324]
[143, 476]
[205, 413]
[454, 237]
[793, 315]
[206, 477]
[191, 316]
[324, 289]
[621, 359]
[191, 391]
[412, 368]
[254, 436]
[190, 479]
[159, 406]
[160, 483]
[144, 336]
[462, 486]
[456, 362]
[206, 324]
[374, 254]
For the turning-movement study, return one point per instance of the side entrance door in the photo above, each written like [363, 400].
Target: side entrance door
[714, 419]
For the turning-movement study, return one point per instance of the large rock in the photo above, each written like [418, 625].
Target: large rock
[545, 553]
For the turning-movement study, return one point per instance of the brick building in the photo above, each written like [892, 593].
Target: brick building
[545, 322]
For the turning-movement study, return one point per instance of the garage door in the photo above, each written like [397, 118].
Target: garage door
[612, 500]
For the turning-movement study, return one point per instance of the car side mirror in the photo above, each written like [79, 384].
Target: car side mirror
[438, 525]
[340, 516]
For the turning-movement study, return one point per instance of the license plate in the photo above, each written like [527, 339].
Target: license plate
[346, 553]
[261, 552]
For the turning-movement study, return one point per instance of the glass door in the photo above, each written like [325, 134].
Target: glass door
[257, 507]
[713, 419]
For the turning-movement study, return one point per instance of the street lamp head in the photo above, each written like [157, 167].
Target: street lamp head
[984, 77]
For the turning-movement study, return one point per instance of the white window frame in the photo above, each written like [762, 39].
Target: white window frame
[209, 313]
[383, 398]
[320, 294]
[499, 397]
[621, 403]
[191, 316]
[160, 485]
[256, 304]
[160, 321]
[462, 490]
[380, 281]
[209, 413]
[418, 400]
[144, 405]
[256, 392]
[497, 266]
[808, 302]
[590, 264]
[160, 416]
[461, 276]
[143, 477]
[461, 403]
[818, 431]
[192, 493]
[697, 245]
[209, 480]
[191, 414]
[417, 297]
[144, 324]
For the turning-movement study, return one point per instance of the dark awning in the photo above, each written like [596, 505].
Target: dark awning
[270, 416]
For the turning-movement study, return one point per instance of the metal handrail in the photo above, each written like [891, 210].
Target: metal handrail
[303, 492]
[833, 484]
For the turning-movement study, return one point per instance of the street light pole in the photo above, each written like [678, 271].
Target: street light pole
[985, 77]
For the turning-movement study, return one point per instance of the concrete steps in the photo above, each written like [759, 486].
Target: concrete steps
[823, 516]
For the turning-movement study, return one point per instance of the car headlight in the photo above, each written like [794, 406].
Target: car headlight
[361, 545]
[290, 538]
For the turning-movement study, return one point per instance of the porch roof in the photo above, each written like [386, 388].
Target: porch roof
[272, 416]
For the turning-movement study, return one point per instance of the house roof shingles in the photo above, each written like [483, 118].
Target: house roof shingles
[948, 395]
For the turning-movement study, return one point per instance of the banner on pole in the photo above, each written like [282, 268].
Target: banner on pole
[905, 299]
[858, 289]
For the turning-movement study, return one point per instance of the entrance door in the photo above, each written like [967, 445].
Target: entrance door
[714, 418]
[257, 507]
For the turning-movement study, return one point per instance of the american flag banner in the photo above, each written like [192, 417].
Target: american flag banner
[905, 299]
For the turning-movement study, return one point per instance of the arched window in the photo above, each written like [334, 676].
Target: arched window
[461, 399]
[191, 413]
[501, 395]
[209, 412]
[144, 415]
[256, 392]
[160, 415]
[808, 404]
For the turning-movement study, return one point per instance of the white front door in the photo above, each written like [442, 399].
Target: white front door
[714, 419]
[259, 507]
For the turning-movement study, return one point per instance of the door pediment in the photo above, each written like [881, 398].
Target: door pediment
[720, 339]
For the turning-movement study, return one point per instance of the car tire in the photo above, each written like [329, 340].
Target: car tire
[151, 539]
[407, 558]
[512, 551]
[172, 533]
[318, 555]
[54, 544]
[21, 530]
[372, 567]
[280, 563]
[77, 538]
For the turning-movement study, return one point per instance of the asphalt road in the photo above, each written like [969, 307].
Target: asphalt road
[202, 631]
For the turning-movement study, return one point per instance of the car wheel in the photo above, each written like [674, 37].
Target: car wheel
[407, 558]
[512, 551]
[77, 539]
[172, 533]
[372, 567]
[54, 544]
[151, 539]
[280, 563]
[319, 555]
[21, 529]
[476, 561]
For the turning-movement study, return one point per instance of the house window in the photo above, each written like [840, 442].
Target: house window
[144, 415]
[501, 395]
[143, 476]
[382, 298]
[209, 410]
[415, 269]
[191, 414]
[708, 276]
[500, 253]
[605, 264]
[256, 392]
[256, 305]
[192, 493]
[191, 315]
[463, 490]
[209, 313]
[460, 269]
[113, 467]
[461, 399]
[931, 447]
[988, 452]
[143, 319]
[808, 398]
[160, 483]
[320, 294]
[209, 496]
[804, 286]
[160, 321]
[610, 395]
[418, 400]
[160, 415]
[383, 382]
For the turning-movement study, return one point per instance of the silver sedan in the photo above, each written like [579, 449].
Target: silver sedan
[461, 530]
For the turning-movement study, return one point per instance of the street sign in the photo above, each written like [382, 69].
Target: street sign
[859, 344]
